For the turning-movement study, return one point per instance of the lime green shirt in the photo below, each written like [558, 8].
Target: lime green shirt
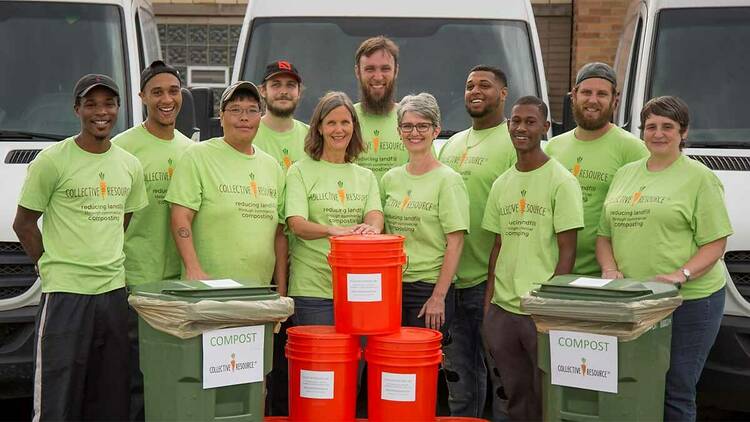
[150, 251]
[286, 147]
[594, 164]
[238, 200]
[83, 198]
[383, 147]
[479, 156]
[332, 195]
[527, 210]
[424, 209]
[658, 220]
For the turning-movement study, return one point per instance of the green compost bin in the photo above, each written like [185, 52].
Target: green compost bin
[642, 362]
[172, 367]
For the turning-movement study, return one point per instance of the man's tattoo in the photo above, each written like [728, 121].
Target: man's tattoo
[183, 232]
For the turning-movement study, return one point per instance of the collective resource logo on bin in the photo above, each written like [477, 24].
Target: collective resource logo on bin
[233, 356]
[583, 360]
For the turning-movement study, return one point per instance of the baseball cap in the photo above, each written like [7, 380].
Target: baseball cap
[241, 86]
[155, 68]
[597, 70]
[92, 80]
[281, 66]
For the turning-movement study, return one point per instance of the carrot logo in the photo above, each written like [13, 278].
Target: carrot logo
[102, 185]
[463, 156]
[637, 196]
[287, 160]
[522, 202]
[253, 185]
[233, 362]
[342, 192]
[406, 200]
[170, 168]
[376, 140]
[577, 167]
[583, 366]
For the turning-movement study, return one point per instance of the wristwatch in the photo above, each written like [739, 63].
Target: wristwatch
[686, 273]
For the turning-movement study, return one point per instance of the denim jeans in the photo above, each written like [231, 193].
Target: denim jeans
[312, 311]
[695, 325]
[465, 365]
[414, 296]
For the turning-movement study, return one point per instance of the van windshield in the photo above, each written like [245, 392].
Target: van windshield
[701, 55]
[46, 48]
[435, 56]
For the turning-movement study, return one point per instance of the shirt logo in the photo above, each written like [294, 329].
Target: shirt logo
[342, 193]
[287, 161]
[376, 140]
[253, 185]
[170, 168]
[522, 202]
[406, 200]
[102, 185]
[577, 167]
[637, 196]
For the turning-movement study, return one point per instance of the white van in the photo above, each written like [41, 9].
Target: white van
[46, 46]
[439, 43]
[698, 50]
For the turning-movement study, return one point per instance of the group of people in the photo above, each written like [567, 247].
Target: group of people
[486, 219]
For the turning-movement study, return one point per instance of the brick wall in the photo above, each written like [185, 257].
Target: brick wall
[597, 25]
[553, 22]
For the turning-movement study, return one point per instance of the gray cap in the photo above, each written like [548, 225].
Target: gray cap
[597, 70]
[242, 86]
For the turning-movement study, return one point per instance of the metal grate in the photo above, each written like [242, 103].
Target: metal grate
[21, 156]
[716, 162]
[11, 247]
[17, 269]
[737, 257]
[9, 292]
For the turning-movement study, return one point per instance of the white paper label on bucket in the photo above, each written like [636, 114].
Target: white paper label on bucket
[583, 360]
[316, 384]
[398, 387]
[364, 287]
[233, 356]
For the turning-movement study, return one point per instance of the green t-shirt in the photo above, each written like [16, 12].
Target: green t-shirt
[286, 147]
[329, 194]
[238, 200]
[480, 156]
[384, 149]
[594, 163]
[658, 220]
[150, 251]
[83, 198]
[424, 209]
[527, 210]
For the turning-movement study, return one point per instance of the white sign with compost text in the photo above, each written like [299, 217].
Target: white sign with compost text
[583, 360]
[233, 356]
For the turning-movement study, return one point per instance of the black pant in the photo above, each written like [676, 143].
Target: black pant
[414, 295]
[137, 412]
[277, 398]
[81, 357]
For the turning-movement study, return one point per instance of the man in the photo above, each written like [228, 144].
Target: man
[227, 198]
[534, 209]
[150, 251]
[279, 134]
[480, 154]
[593, 152]
[86, 189]
[376, 69]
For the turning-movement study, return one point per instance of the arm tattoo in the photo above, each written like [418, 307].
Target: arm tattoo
[183, 232]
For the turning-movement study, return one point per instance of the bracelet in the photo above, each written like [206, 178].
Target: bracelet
[609, 269]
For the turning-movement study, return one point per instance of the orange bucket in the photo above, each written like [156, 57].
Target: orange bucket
[322, 374]
[459, 419]
[402, 371]
[367, 273]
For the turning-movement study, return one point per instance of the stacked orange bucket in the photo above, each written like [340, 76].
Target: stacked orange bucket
[402, 362]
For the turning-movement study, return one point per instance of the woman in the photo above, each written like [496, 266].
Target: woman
[426, 201]
[227, 198]
[328, 195]
[665, 218]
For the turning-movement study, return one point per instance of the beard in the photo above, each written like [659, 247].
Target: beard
[377, 106]
[489, 109]
[281, 112]
[593, 124]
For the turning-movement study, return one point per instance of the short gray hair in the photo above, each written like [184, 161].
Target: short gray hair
[423, 104]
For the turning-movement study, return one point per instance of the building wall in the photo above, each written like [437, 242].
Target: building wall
[597, 25]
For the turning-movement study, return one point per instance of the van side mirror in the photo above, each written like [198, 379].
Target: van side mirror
[568, 121]
[186, 123]
[204, 112]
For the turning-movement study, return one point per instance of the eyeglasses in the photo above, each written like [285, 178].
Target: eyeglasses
[237, 111]
[421, 127]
